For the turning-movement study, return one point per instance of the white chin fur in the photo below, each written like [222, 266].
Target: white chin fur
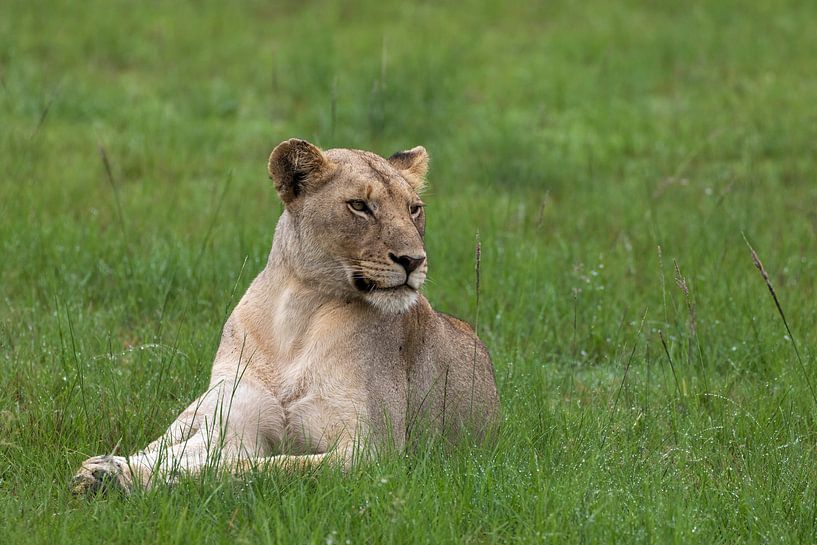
[392, 302]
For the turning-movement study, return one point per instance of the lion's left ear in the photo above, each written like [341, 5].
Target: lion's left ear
[413, 164]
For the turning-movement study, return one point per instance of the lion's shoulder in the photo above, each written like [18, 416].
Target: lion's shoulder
[460, 325]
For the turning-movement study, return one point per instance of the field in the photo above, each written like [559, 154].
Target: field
[614, 159]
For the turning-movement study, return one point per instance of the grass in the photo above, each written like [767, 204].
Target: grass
[610, 155]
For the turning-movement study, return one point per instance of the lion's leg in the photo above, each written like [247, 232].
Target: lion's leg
[189, 421]
[340, 456]
[192, 458]
[204, 449]
[237, 462]
[182, 429]
[236, 422]
[146, 468]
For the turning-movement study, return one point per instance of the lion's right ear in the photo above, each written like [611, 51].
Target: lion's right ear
[296, 167]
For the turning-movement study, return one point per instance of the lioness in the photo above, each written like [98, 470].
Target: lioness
[332, 351]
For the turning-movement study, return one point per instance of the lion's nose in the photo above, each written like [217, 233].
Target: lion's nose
[408, 262]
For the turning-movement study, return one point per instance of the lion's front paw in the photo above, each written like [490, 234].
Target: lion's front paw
[102, 473]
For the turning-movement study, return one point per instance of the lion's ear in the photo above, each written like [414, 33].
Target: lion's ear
[413, 164]
[296, 167]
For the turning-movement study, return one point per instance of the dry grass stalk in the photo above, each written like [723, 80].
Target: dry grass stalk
[663, 282]
[671, 365]
[692, 323]
[478, 261]
[759, 265]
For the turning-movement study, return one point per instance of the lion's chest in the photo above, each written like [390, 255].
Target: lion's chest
[321, 388]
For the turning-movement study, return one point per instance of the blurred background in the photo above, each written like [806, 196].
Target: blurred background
[611, 156]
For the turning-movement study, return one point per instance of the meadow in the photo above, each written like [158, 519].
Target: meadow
[612, 158]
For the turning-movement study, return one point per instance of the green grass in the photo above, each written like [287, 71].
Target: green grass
[576, 138]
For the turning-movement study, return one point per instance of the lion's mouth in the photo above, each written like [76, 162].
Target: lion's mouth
[366, 285]
[362, 283]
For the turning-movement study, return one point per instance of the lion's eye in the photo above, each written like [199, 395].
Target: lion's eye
[358, 206]
[415, 209]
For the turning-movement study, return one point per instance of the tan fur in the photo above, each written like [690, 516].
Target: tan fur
[332, 353]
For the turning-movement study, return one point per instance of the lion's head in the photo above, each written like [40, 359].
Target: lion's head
[354, 221]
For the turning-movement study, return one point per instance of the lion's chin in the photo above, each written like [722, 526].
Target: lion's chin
[392, 300]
